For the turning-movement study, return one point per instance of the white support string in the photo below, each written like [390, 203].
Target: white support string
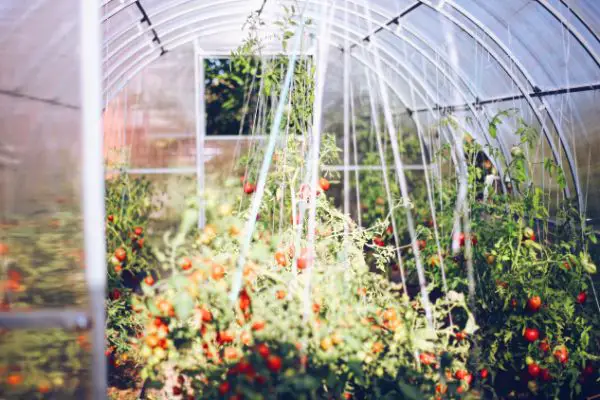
[322, 61]
[347, 117]
[355, 153]
[200, 132]
[429, 195]
[266, 164]
[403, 185]
[386, 183]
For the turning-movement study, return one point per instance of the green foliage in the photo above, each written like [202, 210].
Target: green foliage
[128, 209]
[518, 255]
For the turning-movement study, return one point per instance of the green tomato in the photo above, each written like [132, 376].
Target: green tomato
[516, 151]
[532, 385]
[146, 352]
[529, 360]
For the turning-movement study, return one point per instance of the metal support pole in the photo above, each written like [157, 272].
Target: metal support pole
[93, 185]
[200, 131]
[346, 130]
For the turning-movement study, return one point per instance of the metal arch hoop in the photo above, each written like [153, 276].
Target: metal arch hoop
[393, 32]
[524, 92]
[407, 69]
[582, 20]
[572, 30]
[530, 102]
[174, 4]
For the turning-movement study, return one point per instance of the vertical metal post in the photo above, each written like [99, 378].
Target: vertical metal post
[200, 131]
[93, 184]
[346, 127]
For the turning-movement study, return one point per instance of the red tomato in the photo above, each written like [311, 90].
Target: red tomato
[280, 294]
[230, 353]
[14, 275]
[377, 347]
[116, 294]
[244, 367]
[378, 241]
[149, 280]
[120, 254]
[460, 336]
[531, 334]
[389, 314]
[186, 264]
[545, 375]
[224, 388]
[206, 315]
[461, 374]
[581, 297]
[469, 379]
[281, 259]
[218, 272]
[422, 244]
[111, 218]
[14, 379]
[246, 338]
[534, 303]
[274, 363]
[263, 350]
[44, 387]
[562, 355]
[544, 346]
[138, 230]
[483, 373]
[249, 188]
[302, 261]
[461, 239]
[225, 337]
[258, 326]
[533, 369]
[177, 391]
[324, 184]
[588, 370]
[244, 300]
[427, 358]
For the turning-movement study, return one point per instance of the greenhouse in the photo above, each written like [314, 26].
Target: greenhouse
[299, 199]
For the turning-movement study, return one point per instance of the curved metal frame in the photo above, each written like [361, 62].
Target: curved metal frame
[561, 136]
[456, 72]
[339, 25]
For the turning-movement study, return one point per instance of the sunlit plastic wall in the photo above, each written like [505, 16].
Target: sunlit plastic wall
[41, 239]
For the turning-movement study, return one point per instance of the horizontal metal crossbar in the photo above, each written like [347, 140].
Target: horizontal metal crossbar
[46, 319]
[538, 93]
[192, 170]
[53, 102]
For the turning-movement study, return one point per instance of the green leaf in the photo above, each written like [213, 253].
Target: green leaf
[184, 305]
[410, 392]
